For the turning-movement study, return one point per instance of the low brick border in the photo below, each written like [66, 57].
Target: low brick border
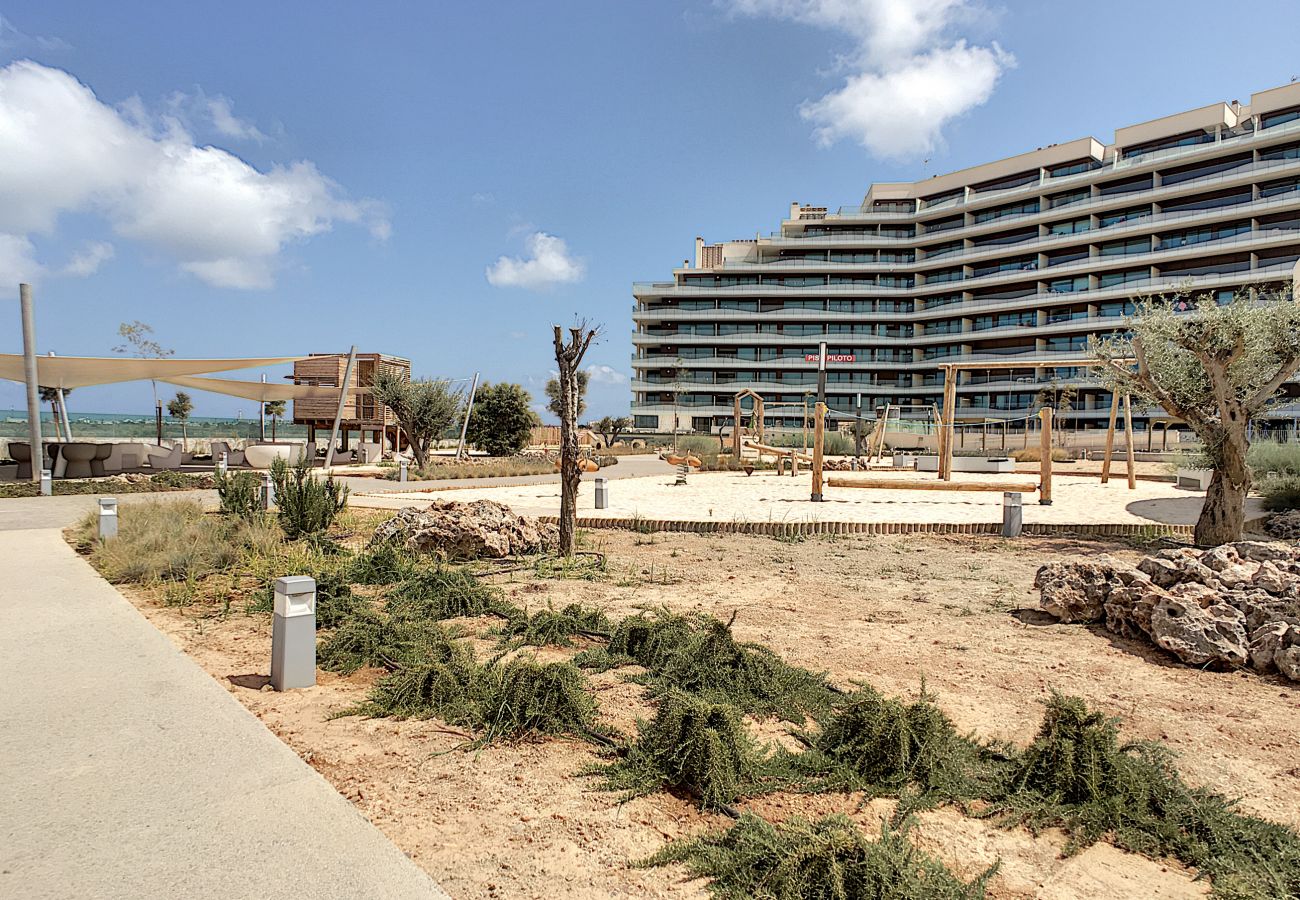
[799, 529]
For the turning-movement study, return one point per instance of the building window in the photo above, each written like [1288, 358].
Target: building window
[645, 422]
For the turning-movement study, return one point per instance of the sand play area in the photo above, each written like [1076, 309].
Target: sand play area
[767, 497]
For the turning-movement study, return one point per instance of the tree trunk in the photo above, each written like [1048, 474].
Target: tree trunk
[568, 359]
[273, 421]
[1224, 515]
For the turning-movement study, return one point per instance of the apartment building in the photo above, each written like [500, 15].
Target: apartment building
[1016, 260]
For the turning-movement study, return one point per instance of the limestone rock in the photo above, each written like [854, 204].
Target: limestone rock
[1075, 592]
[477, 530]
[1199, 634]
[1276, 645]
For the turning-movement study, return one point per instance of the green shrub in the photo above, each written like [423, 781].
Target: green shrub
[692, 745]
[373, 640]
[446, 592]
[306, 505]
[884, 745]
[1035, 454]
[443, 687]
[830, 859]
[238, 493]
[555, 628]
[699, 654]
[385, 562]
[1280, 492]
[1280, 457]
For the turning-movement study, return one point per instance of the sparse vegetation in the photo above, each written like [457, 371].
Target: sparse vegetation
[829, 859]
[1034, 454]
[556, 628]
[1280, 492]
[438, 470]
[238, 495]
[158, 482]
[306, 505]
[446, 592]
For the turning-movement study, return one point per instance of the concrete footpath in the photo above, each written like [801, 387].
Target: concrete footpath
[126, 772]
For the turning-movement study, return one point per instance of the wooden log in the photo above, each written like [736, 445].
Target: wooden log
[1110, 438]
[819, 437]
[896, 484]
[777, 451]
[1128, 441]
[1045, 457]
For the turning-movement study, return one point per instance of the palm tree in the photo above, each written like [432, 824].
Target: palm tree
[179, 409]
[51, 396]
[274, 409]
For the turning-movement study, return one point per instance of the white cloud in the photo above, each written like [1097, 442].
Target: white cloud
[17, 263]
[605, 375]
[907, 76]
[86, 261]
[218, 217]
[229, 125]
[13, 39]
[548, 264]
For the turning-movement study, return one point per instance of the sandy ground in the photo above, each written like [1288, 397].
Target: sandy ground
[513, 820]
[767, 497]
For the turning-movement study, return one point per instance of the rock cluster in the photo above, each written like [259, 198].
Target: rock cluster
[1235, 605]
[478, 530]
[1284, 525]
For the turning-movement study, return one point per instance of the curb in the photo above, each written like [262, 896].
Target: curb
[802, 529]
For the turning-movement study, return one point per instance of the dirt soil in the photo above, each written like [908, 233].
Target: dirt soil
[955, 613]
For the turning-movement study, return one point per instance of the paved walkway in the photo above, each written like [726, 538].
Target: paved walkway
[126, 772]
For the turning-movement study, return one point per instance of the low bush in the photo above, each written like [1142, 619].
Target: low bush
[829, 859]
[306, 505]
[158, 482]
[699, 654]
[556, 628]
[1034, 454]
[446, 592]
[884, 746]
[691, 745]
[494, 468]
[499, 700]
[1277, 457]
[371, 639]
[238, 493]
[1280, 492]
[385, 562]
[1078, 776]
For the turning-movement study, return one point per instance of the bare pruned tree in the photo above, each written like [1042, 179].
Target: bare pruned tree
[568, 359]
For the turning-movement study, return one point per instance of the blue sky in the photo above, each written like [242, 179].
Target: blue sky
[273, 178]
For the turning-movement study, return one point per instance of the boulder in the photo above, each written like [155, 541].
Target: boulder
[1197, 632]
[1075, 592]
[1276, 645]
[483, 529]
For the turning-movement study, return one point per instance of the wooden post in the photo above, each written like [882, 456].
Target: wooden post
[735, 430]
[950, 414]
[1045, 457]
[1128, 441]
[819, 436]
[1110, 438]
[343, 401]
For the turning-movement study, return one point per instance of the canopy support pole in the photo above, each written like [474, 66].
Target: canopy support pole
[469, 408]
[33, 389]
[343, 400]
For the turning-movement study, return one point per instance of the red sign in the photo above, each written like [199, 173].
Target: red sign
[831, 357]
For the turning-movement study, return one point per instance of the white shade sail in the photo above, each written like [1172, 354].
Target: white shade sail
[83, 371]
[255, 390]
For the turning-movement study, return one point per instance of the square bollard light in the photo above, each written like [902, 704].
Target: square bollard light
[220, 465]
[602, 492]
[267, 493]
[107, 518]
[293, 633]
[402, 465]
[1012, 514]
[47, 483]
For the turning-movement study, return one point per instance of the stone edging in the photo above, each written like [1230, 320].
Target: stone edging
[797, 529]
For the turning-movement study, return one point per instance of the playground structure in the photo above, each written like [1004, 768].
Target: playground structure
[945, 416]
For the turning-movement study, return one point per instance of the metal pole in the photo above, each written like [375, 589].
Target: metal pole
[857, 427]
[821, 373]
[261, 411]
[343, 400]
[30, 376]
[469, 408]
[63, 410]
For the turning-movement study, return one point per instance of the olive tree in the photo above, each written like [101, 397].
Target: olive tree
[570, 384]
[611, 428]
[425, 408]
[179, 408]
[1216, 368]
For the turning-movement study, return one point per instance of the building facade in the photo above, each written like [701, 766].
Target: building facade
[1016, 260]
